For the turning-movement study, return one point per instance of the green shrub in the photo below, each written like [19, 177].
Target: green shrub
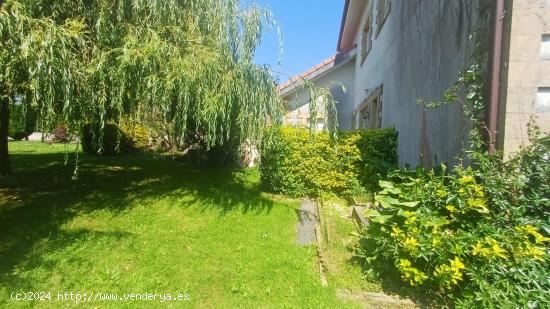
[138, 135]
[22, 123]
[479, 238]
[107, 141]
[295, 163]
[378, 150]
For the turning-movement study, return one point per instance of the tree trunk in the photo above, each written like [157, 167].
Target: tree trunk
[5, 168]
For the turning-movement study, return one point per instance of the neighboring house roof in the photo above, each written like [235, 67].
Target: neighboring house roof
[351, 18]
[317, 71]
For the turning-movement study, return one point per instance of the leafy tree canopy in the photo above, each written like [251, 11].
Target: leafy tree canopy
[186, 62]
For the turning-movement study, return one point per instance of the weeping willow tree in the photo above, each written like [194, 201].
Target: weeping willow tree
[189, 62]
[36, 57]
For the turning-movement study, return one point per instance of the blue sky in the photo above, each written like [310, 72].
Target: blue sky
[310, 31]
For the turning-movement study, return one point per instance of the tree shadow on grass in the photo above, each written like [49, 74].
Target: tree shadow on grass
[41, 197]
[54, 241]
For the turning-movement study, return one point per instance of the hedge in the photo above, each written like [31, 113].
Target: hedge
[107, 141]
[295, 163]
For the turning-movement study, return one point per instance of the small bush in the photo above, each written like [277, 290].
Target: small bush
[107, 141]
[60, 134]
[295, 163]
[479, 238]
[378, 154]
[138, 135]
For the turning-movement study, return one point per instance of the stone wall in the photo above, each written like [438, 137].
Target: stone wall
[528, 79]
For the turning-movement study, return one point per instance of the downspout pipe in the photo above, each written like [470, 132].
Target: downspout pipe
[496, 70]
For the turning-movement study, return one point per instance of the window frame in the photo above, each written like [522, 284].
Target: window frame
[366, 43]
[544, 49]
[369, 114]
[380, 22]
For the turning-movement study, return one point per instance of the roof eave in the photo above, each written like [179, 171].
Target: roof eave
[351, 18]
[339, 60]
[342, 25]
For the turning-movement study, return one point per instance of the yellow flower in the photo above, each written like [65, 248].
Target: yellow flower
[396, 232]
[531, 230]
[435, 242]
[539, 239]
[478, 189]
[450, 208]
[403, 263]
[441, 193]
[478, 204]
[409, 273]
[450, 274]
[466, 179]
[496, 248]
[527, 229]
[410, 220]
[457, 264]
[411, 244]
[478, 249]
[409, 214]
[493, 249]
[536, 253]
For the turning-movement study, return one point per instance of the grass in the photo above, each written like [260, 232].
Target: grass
[136, 224]
[344, 271]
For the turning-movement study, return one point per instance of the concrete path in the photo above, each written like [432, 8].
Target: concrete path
[306, 225]
[373, 300]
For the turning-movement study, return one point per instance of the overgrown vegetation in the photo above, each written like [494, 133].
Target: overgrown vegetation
[474, 237]
[297, 162]
[478, 237]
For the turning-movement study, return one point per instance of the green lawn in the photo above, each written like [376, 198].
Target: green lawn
[135, 224]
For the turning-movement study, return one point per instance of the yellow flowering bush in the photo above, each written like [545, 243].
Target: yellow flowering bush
[410, 274]
[450, 274]
[479, 237]
[296, 163]
[138, 135]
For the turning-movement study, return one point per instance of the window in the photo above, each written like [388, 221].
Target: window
[366, 42]
[384, 7]
[370, 112]
[543, 100]
[320, 124]
[364, 122]
[545, 47]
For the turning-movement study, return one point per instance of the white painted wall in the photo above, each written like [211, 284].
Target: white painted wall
[298, 100]
[418, 54]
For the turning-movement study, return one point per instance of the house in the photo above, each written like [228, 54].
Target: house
[391, 53]
[335, 73]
